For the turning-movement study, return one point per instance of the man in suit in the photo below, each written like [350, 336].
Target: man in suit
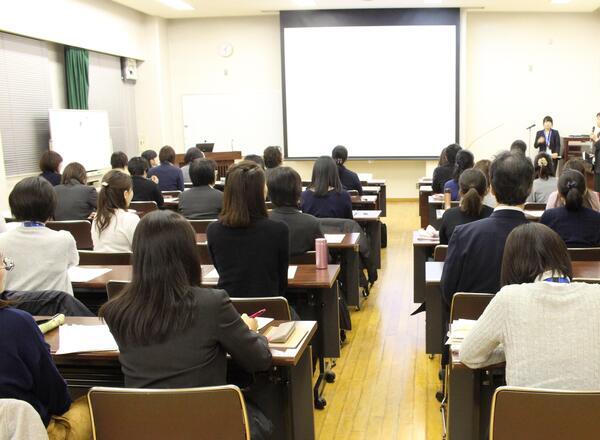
[202, 201]
[144, 189]
[475, 250]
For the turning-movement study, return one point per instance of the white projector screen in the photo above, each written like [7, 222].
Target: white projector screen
[382, 91]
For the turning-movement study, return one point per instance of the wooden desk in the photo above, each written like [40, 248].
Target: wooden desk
[424, 193]
[433, 206]
[573, 148]
[588, 271]
[286, 396]
[224, 160]
[422, 251]
[434, 320]
[533, 216]
[371, 222]
[424, 181]
[364, 202]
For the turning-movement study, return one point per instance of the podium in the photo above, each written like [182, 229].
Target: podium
[223, 159]
[573, 146]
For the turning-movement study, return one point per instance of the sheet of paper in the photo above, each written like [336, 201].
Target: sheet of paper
[263, 322]
[85, 339]
[334, 238]
[365, 176]
[82, 275]
[292, 272]
[212, 275]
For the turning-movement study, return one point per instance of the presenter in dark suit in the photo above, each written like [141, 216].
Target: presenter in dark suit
[548, 139]
[475, 250]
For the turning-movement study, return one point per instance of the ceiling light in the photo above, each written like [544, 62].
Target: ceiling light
[180, 5]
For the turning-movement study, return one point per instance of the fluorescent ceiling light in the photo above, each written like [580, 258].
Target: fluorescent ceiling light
[180, 5]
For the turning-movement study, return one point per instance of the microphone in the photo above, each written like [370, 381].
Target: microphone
[530, 127]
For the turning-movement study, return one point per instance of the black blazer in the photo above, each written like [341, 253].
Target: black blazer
[578, 229]
[554, 141]
[145, 190]
[304, 228]
[454, 217]
[440, 176]
[75, 201]
[201, 203]
[475, 254]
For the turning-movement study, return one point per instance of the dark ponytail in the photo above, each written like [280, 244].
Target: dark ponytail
[464, 161]
[571, 187]
[473, 186]
[111, 197]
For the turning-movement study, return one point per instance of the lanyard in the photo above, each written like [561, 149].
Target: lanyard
[560, 280]
[32, 224]
[548, 137]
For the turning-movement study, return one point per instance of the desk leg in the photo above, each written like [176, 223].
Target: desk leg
[373, 230]
[420, 255]
[383, 200]
[299, 397]
[351, 263]
[463, 404]
[424, 208]
[434, 320]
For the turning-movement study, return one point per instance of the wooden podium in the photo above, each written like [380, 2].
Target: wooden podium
[223, 159]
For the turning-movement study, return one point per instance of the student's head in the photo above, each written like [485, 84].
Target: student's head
[192, 154]
[548, 122]
[167, 154]
[202, 172]
[532, 249]
[511, 174]
[118, 160]
[116, 193]
[575, 164]
[256, 159]
[572, 189]
[483, 165]
[32, 199]
[151, 157]
[159, 301]
[272, 157]
[473, 187]
[325, 176]
[244, 195]
[464, 161]
[340, 155]
[50, 162]
[543, 166]
[137, 166]
[443, 160]
[74, 171]
[519, 145]
[451, 152]
[285, 187]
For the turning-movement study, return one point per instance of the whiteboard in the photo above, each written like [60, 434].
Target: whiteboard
[81, 136]
[245, 121]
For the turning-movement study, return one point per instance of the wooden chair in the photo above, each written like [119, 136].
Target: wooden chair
[114, 288]
[81, 230]
[530, 206]
[205, 257]
[277, 306]
[135, 414]
[200, 226]
[469, 305]
[171, 193]
[306, 258]
[440, 252]
[527, 413]
[143, 208]
[90, 258]
[584, 254]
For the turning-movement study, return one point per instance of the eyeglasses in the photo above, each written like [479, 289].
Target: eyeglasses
[8, 263]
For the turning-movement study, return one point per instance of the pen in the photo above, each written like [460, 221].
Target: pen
[259, 313]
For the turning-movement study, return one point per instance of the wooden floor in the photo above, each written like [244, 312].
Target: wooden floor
[386, 384]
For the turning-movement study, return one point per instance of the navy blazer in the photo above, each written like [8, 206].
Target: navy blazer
[170, 177]
[578, 229]
[475, 254]
[554, 146]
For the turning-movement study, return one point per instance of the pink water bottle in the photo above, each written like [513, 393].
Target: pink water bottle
[322, 253]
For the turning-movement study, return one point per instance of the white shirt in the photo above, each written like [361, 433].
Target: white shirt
[118, 235]
[42, 257]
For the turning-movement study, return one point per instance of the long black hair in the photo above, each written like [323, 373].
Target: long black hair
[159, 301]
[473, 187]
[324, 176]
[111, 197]
[464, 161]
[571, 186]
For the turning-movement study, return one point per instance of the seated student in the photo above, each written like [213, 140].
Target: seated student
[151, 157]
[473, 187]
[202, 201]
[118, 161]
[256, 159]
[28, 373]
[75, 199]
[41, 256]
[272, 159]
[171, 332]
[483, 165]
[475, 249]
[190, 155]
[285, 187]
[543, 325]
[349, 179]
[325, 197]
[464, 161]
[519, 146]
[250, 251]
[577, 225]
[545, 182]
[170, 177]
[114, 226]
[144, 189]
[50, 164]
[591, 199]
[444, 172]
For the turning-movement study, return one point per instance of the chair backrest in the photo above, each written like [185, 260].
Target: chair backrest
[277, 306]
[90, 258]
[132, 414]
[171, 193]
[526, 413]
[114, 288]
[203, 252]
[469, 305]
[143, 207]
[200, 226]
[584, 254]
[81, 230]
[440, 252]
[305, 258]
[530, 206]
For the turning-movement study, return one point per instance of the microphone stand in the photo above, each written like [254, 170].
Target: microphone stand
[529, 130]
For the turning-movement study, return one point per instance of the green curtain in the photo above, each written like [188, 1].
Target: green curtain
[77, 64]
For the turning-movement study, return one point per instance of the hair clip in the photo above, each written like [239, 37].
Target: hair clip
[542, 162]
[571, 184]
[105, 184]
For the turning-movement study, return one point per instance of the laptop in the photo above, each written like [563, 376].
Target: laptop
[206, 148]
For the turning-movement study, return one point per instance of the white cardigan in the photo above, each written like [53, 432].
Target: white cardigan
[548, 333]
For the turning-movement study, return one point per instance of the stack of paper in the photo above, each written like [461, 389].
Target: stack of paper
[83, 275]
[85, 338]
[459, 330]
[263, 322]
[429, 234]
[334, 238]
[292, 272]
